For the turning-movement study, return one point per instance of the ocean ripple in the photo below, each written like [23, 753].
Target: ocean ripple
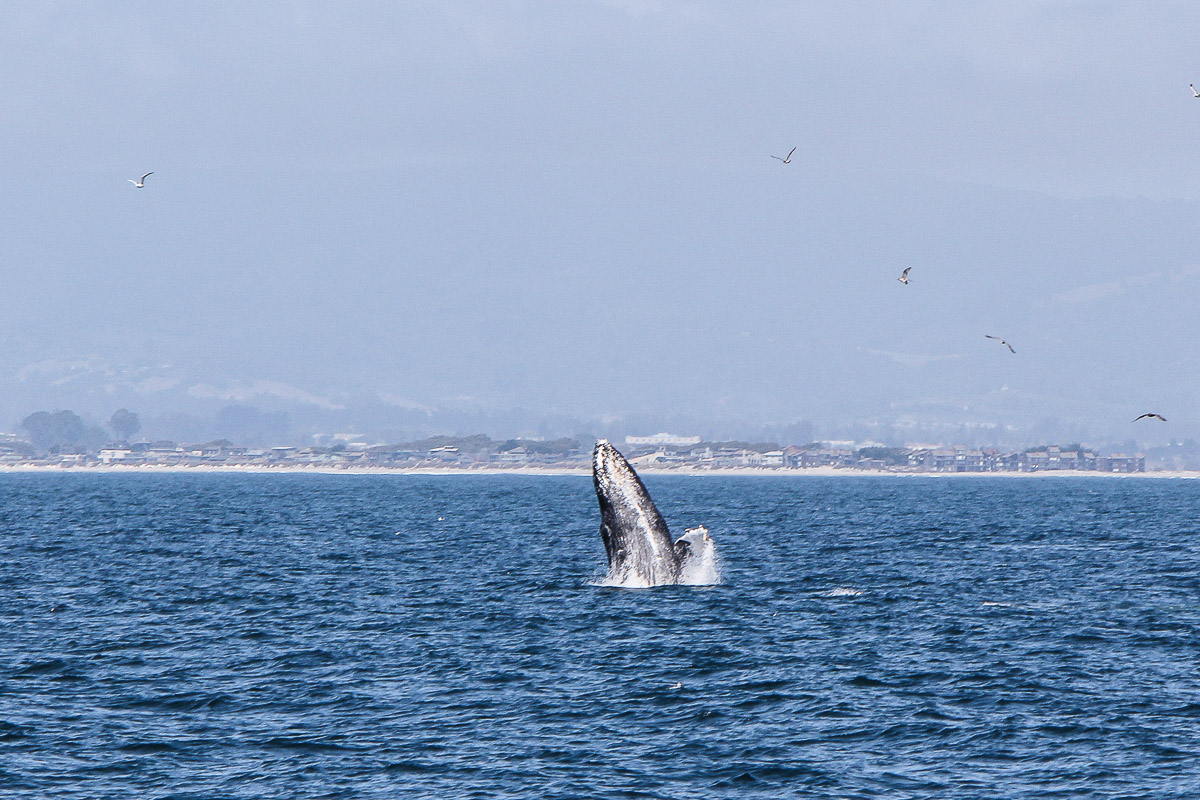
[309, 636]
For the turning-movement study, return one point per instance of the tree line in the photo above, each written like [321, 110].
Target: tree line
[56, 431]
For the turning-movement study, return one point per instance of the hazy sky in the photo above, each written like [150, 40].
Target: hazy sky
[570, 207]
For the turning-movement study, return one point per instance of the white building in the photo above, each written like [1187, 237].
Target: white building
[659, 439]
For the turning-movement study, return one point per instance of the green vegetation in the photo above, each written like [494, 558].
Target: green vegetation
[557, 447]
[1074, 447]
[757, 447]
[481, 443]
[124, 423]
[892, 456]
[478, 443]
[61, 430]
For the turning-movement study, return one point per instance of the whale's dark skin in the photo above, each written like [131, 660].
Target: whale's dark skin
[635, 536]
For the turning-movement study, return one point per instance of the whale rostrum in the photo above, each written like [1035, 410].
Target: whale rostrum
[636, 538]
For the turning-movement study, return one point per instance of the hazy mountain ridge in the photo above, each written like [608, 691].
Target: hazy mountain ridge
[537, 224]
[179, 406]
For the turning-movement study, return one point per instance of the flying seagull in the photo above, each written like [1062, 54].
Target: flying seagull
[904, 276]
[1001, 341]
[787, 160]
[1194, 92]
[1152, 416]
[141, 182]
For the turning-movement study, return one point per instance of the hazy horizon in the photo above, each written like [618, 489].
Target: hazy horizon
[537, 216]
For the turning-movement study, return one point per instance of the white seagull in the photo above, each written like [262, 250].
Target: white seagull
[1152, 416]
[141, 182]
[787, 160]
[904, 276]
[1001, 341]
[1194, 92]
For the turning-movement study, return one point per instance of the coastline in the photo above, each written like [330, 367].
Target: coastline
[757, 472]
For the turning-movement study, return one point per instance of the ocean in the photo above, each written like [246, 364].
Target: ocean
[386, 636]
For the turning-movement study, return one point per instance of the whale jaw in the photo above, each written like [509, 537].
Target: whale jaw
[636, 538]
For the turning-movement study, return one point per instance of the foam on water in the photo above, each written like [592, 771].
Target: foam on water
[628, 582]
[702, 568]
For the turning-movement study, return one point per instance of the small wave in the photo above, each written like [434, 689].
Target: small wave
[304, 658]
[186, 701]
[9, 731]
[148, 748]
[843, 591]
[45, 667]
[316, 745]
[767, 699]
[864, 682]
[747, 776]
[411, 767]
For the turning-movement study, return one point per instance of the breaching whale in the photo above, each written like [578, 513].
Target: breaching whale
[638, 543]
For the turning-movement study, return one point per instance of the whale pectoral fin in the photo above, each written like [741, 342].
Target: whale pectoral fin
[683, 549]
[614, 549]
[610, 542]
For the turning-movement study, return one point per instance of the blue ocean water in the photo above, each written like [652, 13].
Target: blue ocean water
[315, 636]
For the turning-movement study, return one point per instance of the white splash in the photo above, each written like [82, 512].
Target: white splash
[842, 591]
[628, 582]
[703, 568]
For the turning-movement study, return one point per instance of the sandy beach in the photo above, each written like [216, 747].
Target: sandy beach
[757, 472]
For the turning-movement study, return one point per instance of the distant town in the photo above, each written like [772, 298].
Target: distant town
[348, 451]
